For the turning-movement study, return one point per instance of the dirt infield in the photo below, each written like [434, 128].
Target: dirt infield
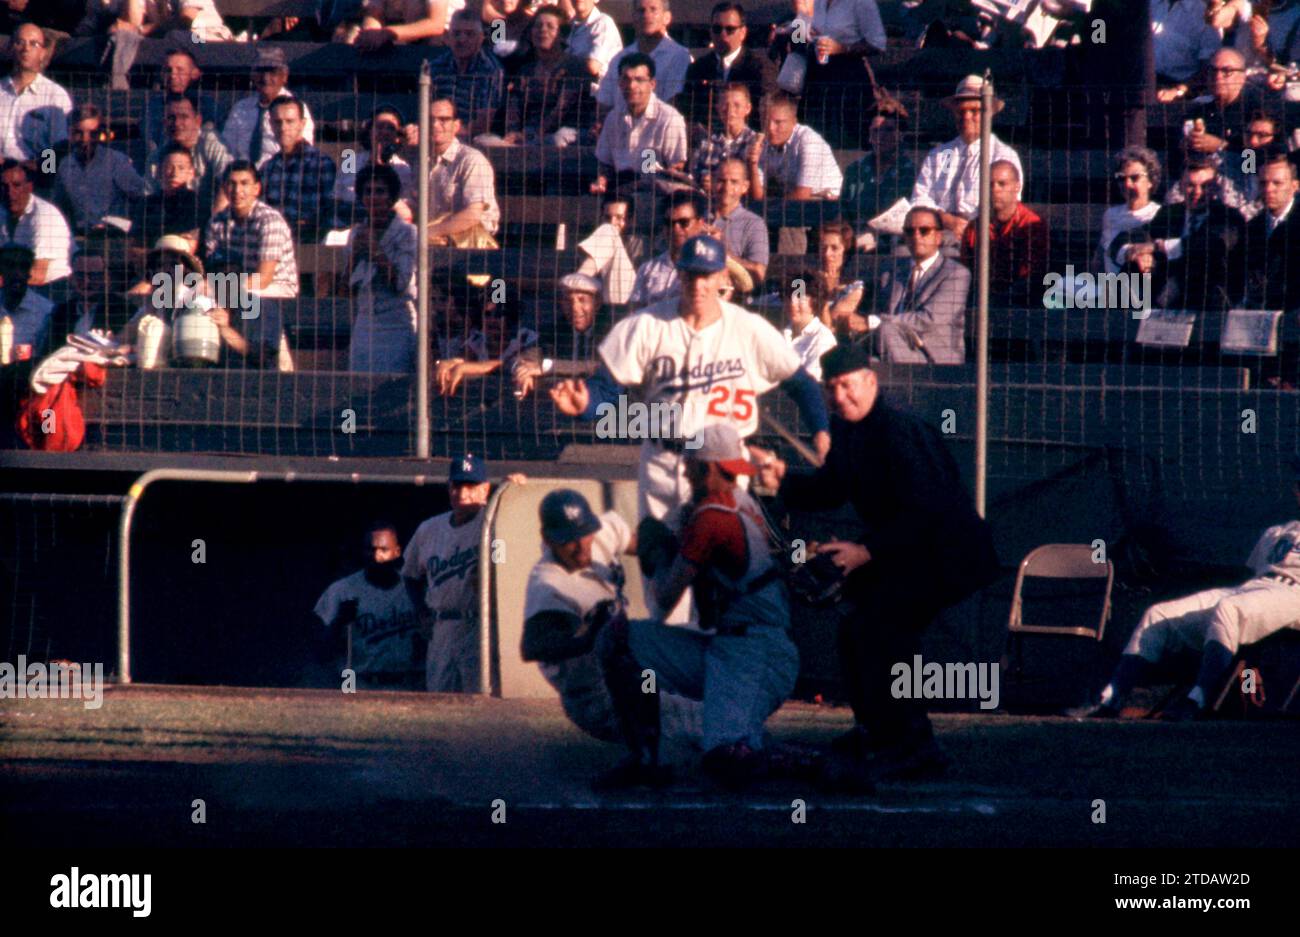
[320, 768]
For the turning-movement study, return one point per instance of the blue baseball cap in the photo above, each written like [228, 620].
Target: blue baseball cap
[468, 468]
[702, 254]
[567, 516]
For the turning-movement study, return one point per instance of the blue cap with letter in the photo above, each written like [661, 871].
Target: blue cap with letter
[702, 254]
[468, 468]
[566, 516]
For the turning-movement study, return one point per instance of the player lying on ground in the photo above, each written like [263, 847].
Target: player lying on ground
[1215, 622]
[740, 668]
[574, 591]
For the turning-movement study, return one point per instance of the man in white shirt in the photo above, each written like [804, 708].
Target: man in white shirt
[593, 36]
[949, 179]
[94, 180]
[645, 123]
[30, 221]
[247, 133]
[791, 160]
[652, 39]
[33, 110]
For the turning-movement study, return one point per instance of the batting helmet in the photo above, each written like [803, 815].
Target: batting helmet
[566, 516]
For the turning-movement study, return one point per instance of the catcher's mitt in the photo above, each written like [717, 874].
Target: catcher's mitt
[656, 545]
[818, 582]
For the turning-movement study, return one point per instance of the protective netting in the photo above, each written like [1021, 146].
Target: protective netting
[1087, 376]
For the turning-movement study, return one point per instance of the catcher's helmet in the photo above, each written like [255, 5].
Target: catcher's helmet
[566, 516]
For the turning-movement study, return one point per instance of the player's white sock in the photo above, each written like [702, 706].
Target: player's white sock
[1108, 694]
[1197, 696]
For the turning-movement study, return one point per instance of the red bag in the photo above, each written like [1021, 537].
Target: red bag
[59, 404]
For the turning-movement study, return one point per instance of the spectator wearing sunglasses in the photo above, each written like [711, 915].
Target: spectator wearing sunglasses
[1219, 125]
[1137, 175]
[925, 321]
[728, 62]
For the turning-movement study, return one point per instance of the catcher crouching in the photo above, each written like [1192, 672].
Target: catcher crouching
[739, 667]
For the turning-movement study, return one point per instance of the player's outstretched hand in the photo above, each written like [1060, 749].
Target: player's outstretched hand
[517, 478]
[571, 396]
[770, 469]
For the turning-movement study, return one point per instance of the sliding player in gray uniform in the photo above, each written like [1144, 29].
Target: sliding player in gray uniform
[741, 667]
[573, 591]
[1215, 622]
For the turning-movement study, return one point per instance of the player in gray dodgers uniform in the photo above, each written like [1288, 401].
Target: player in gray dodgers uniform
[742, 665]
[1216, 622]
[441, 573]
[386, 651]
[573, 590]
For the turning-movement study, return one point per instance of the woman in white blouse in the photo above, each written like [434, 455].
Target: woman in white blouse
[1138, 175]
[383, 250]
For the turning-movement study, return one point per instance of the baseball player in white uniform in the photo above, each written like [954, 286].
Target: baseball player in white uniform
[441, 573]
[373, 612]
[1215, 622]
[708, 357]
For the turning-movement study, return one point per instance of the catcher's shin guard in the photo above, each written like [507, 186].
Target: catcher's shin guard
[637, 712]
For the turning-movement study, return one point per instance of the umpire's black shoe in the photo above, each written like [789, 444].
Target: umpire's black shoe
[735, 766]
[923, 761]
[630, 773]
[853, 743]
[846, 774]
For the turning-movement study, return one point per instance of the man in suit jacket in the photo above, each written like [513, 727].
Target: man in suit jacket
[1198, 244]
[1272, 251]
[925, 316]
[728, 61]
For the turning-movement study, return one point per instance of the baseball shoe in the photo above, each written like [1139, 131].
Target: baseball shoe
[842, 773]
[630, 773]
[853, 743]
[1185, 710]
[909, 762]
[794, 762]
[1100, 711]
[735, 766]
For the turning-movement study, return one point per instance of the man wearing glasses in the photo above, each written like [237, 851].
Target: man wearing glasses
[1219, 125]
[657, 278]
[926, 318]
[33, 110]
[462, 185]
[949, 179]
[729, 61]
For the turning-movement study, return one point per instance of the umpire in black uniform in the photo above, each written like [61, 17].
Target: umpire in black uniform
[925, 548]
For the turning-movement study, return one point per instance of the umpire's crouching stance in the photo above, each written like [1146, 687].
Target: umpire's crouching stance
[925, 548]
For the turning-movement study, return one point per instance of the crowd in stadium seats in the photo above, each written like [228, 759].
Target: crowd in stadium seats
[720, 144]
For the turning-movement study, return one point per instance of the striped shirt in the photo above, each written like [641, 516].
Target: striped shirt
[241, 245]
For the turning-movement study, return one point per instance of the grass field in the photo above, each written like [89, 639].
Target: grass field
[303, 767]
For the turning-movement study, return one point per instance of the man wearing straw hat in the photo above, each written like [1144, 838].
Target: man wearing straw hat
[949, 179]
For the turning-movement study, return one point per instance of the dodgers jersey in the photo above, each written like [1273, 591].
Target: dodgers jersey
[1277, 552]
[447, 558]
[382, 630]
[715, 374]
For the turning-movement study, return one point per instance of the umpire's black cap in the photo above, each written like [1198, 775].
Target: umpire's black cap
[842, 359]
